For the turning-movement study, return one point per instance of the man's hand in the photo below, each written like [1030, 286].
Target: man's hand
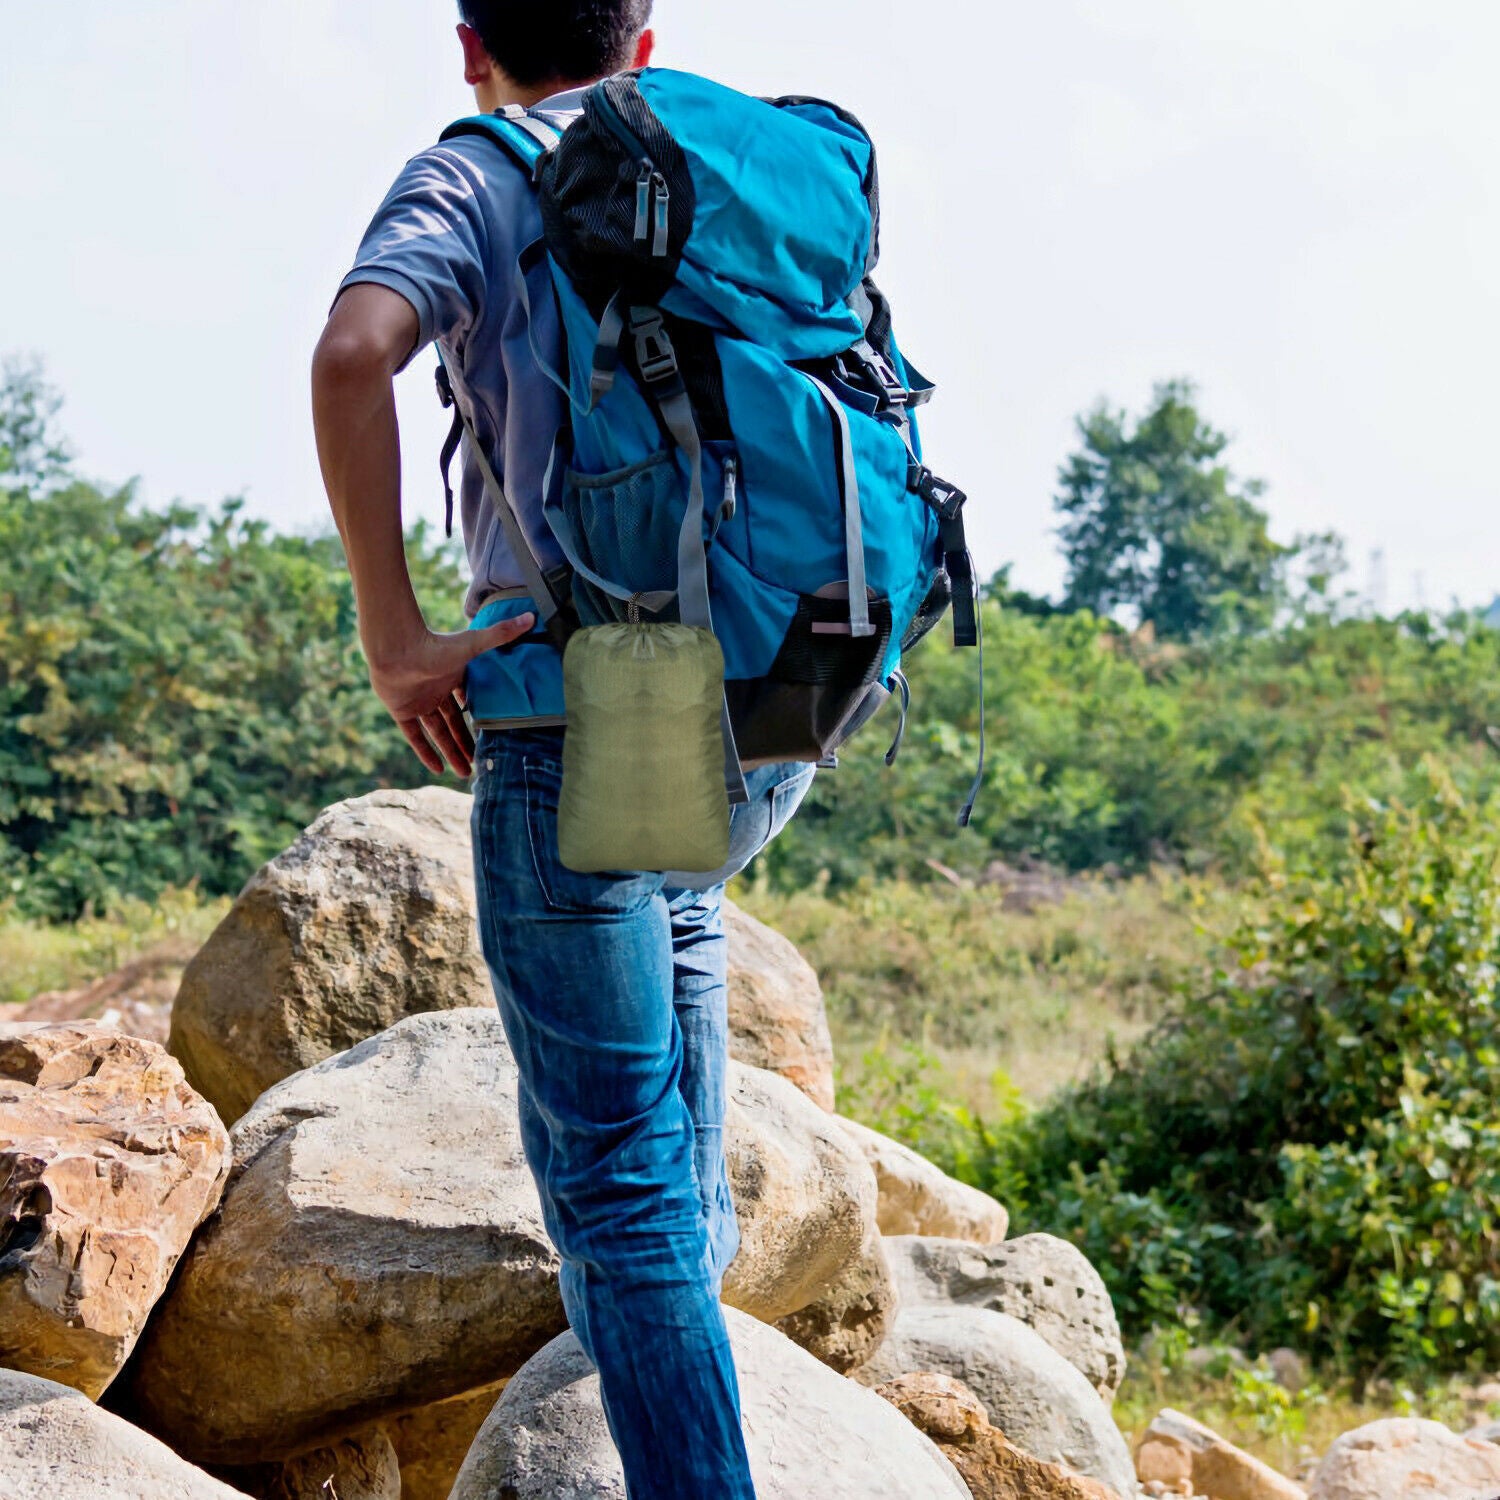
[421, 683]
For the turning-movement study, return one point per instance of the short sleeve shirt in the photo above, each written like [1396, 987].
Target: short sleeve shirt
[447, 238]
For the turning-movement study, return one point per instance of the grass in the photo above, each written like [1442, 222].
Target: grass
[1010, 1002]
[35, 957]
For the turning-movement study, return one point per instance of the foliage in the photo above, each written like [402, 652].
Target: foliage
[1111, 750]
[180, 692]
[1154, 523]
[1308, 1149]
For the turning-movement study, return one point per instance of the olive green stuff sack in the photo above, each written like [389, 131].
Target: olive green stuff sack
[643, 756]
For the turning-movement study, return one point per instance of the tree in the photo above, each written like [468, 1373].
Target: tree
[32, 456]
[1155, 524]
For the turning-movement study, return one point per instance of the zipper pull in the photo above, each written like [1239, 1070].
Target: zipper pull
[643, 185]
[663, 198]
[731, 481]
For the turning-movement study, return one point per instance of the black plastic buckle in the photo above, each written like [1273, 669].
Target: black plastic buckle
[946, 499]
[655, 357]
[444, 386]
[887, 379]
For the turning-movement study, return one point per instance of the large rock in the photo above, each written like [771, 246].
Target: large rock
[366, 919]
[776, 1015]
[917, 1197]
[804, 1196]
[432, 1442]
[991, 1465]
[1178, 1451]
[55, 1444]
[1042, 1280]
[380, 1247]
[845, 1324]
[1033, 1395]
[808, 1431]
[108, 1162]
[1405, 1458]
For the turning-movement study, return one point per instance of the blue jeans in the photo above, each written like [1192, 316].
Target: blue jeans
[612, 991]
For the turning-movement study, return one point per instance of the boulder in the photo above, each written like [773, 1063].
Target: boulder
[108, 1163]
[362, 1466]
[1178, 1451]
[776, 1015]
[1033, 1395]
[380, 1247]
[845, 1324]
[432, 1442]
[804, 1197]
[367, 918]
[992, 1466]
[1044, 1281]
[808, 1431]
[918, 1198]
[55, 1444]
[1406, 1458]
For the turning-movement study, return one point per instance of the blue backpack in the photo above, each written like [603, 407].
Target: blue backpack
[742, 450]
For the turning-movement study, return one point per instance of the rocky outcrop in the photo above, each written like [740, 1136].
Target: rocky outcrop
[108, 1162]
[1046, 1282]
[366, 919]
[432, 1442]
[776, 1015]
[808, 1431]
[917, 1197]
[1185, 1457]
[804, 1197]
[380, 1247]
[1405, 1458]
[1033, 1395]
[992, 1466]
[55, 1444]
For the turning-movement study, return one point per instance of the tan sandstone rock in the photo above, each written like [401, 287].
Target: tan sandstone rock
[992, 1467]
[108, 1162]
[1405, 1458]
[776, 1016]
[917, 1197]
[367, 918]
[1044, 1281]
[1176, 1450]
[380, 1247]
[811, 1434]
[55, 1444]
[432, 1442]
[845, 1324]
[804, 1196]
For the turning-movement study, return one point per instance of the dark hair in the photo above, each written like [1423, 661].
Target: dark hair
[544, 41]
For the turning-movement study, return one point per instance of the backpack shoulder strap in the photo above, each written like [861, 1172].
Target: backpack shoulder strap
[525, 137]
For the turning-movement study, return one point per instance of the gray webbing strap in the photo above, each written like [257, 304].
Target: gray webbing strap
[606, 352]
[510, 523]
[967, 810]
[692, 565]
[854, 535]
[539, 130]
[527, 263]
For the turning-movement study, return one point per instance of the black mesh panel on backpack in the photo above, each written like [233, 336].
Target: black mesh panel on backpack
[588, 193]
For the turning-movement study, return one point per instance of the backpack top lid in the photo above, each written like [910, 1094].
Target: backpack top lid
[782, 206]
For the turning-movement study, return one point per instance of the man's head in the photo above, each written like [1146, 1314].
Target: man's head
[519, 51]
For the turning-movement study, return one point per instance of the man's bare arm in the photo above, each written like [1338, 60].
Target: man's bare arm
[417, 673]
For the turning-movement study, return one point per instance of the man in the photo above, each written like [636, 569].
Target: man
[611, 987]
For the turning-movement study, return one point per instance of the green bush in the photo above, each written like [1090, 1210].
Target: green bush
[1307, 1151]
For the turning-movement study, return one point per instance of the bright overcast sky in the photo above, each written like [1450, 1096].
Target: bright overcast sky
[1296, 203]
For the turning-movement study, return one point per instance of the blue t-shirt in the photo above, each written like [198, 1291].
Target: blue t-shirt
[447, 238]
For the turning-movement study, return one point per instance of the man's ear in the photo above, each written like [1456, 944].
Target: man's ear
[644, 48]
[479, 66]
